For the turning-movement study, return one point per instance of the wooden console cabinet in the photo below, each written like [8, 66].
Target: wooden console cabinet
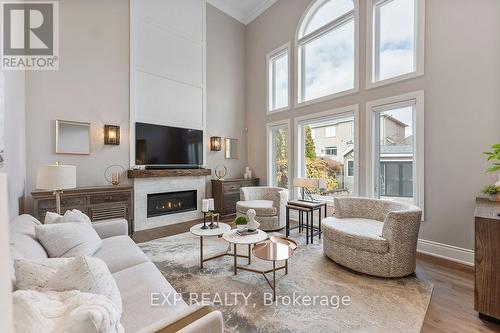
[227, 192]
[487, 259]
[98, 202]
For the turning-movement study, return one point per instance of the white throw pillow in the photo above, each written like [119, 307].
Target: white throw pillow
[86, 274]
[35, 273]
[89, 275]
[69, 216]
[68, 239]
[64, 312]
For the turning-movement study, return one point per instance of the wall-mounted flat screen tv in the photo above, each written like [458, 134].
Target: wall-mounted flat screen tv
[166, 146]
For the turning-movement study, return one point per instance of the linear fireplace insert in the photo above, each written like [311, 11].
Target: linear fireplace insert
[171, 203]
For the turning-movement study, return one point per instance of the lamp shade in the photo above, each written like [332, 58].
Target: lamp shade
[56, 177]
[309, 182]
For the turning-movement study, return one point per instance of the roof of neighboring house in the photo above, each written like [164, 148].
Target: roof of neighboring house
[397, 121]
[396, 149]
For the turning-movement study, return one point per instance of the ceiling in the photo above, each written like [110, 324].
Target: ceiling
[244, 11]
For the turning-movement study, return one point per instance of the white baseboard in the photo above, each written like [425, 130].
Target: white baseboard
[448, 252]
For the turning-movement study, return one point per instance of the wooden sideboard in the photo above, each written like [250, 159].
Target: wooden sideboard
[98, 202]
[227, 192]
[487, 259]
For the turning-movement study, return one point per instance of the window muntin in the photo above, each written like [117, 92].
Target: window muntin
[278, 77]
[394, 38]
[326, 13]
[314, 160]
[326, 54]
[394, 152]
[278, 168]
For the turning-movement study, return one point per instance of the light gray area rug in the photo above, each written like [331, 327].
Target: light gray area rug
[375, 305]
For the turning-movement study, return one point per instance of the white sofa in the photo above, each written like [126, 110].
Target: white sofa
[136, 276]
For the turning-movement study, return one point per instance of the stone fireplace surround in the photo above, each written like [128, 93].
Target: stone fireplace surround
[171, 181]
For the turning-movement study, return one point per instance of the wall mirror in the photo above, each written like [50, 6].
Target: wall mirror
[72, 137]
[231, 151]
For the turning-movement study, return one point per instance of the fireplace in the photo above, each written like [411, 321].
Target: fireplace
[171, 203]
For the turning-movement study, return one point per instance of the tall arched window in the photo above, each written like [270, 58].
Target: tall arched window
[326, 45]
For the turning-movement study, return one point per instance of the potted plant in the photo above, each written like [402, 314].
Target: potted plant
[493, 191]
[494, 156]
[241, 222]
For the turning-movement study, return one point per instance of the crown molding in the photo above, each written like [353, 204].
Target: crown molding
[258, 10]
[240, 15]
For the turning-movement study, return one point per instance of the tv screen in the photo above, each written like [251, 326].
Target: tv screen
[168, 146]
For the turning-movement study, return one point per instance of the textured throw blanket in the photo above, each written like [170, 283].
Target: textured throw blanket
[67, 311]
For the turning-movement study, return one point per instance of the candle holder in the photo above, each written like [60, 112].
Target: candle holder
[213, 225]
[204, 226]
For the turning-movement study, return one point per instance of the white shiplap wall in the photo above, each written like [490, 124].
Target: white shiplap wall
[167, 60]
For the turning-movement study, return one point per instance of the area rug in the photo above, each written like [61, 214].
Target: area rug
[317, 295]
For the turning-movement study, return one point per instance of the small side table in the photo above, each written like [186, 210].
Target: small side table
[307, 207]
[198, 231]
[273, 251]
[233, 238]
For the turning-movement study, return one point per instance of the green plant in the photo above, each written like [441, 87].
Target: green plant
[240, 220]
[494, 156]
[491, 190]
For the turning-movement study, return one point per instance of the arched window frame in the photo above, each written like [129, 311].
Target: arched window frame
[301, 39]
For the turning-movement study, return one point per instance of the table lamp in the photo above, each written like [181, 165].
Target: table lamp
[56, 178]
[309, 183]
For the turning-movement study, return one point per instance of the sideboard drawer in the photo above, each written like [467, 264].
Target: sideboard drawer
[235, 187]
[50, 204]
[106, 198]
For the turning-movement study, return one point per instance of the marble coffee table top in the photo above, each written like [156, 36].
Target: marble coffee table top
[233, 237]
[198, 231]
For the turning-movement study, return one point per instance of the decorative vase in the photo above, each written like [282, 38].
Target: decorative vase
[241, 227]
[252, 224]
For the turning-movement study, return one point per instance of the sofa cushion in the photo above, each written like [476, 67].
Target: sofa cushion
[68, 239]
[23, 241]
[363, 234]
[143, 289]
[261, 207]
[120, 252]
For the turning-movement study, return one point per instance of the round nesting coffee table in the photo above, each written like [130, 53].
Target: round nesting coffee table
[232, 237]
[198, 231]
[274, 251]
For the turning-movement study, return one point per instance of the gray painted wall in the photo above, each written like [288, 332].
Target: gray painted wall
[461, 84]
[14, 138]
[92, 85]
[226, 88]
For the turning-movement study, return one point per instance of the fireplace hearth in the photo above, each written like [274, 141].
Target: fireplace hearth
[171, 203]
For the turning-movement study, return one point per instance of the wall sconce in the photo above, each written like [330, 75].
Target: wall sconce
[215, 143]
[111, 135]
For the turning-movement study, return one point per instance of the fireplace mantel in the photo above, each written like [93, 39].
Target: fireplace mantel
[150, 173]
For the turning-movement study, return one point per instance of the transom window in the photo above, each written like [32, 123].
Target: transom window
[395, 35]
[326, 50]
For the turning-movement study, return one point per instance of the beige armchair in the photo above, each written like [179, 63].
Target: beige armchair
[376, 237]
[268, 202]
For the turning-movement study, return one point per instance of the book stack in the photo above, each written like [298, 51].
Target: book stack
[247, 232]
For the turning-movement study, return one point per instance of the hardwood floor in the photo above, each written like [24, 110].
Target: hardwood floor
[452, 304]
